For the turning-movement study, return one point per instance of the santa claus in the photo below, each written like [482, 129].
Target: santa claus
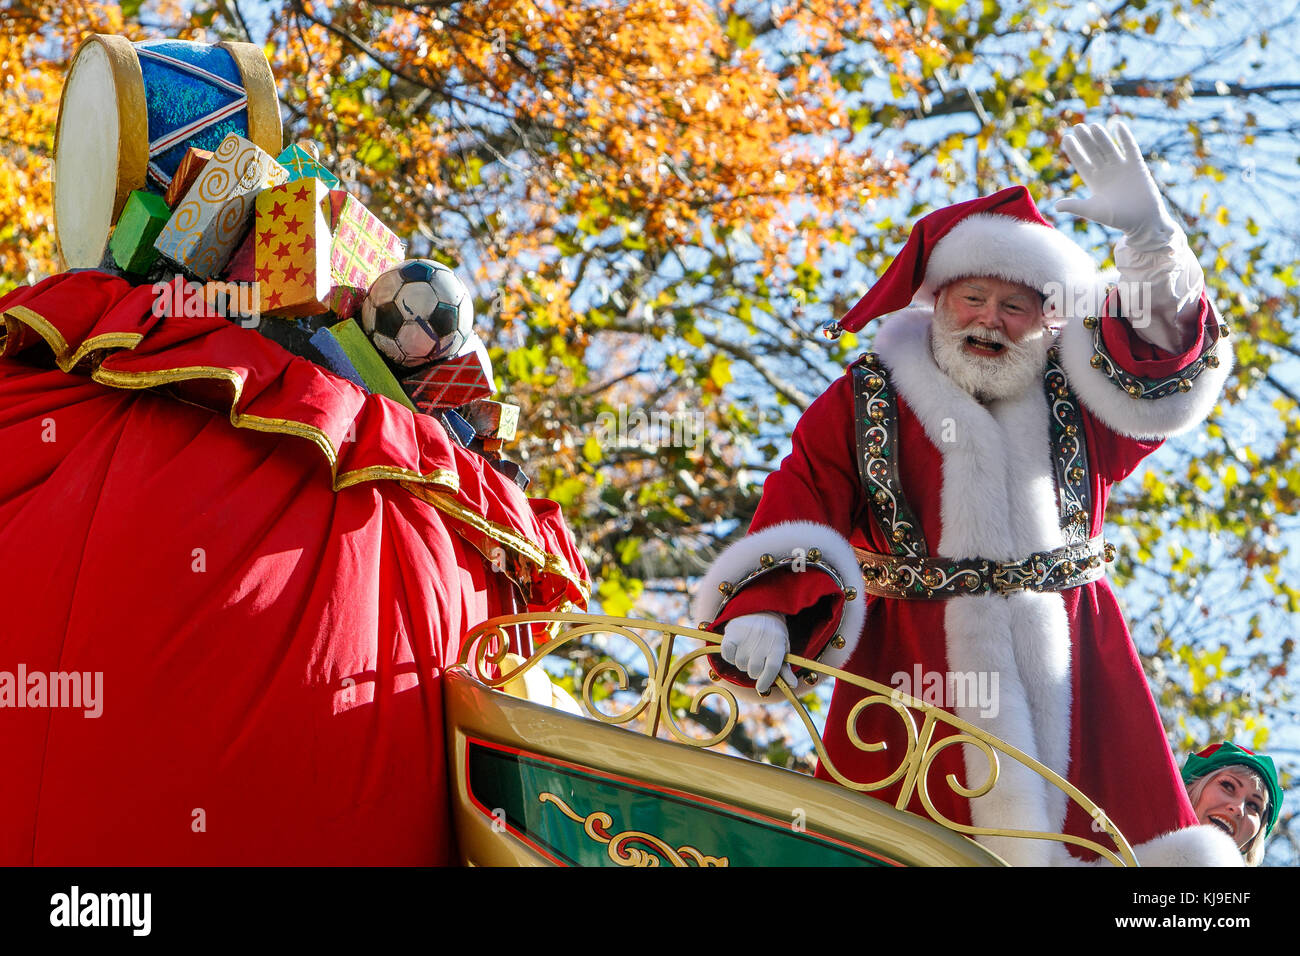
[951, 488]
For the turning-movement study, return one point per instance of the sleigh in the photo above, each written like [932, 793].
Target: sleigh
[623, 772]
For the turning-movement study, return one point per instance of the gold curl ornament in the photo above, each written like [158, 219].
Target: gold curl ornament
[621, 846]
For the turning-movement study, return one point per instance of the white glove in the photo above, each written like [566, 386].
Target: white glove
[1124, 196]
[757, 644]
[1153, 254]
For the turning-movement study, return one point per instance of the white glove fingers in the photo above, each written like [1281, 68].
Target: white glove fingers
[1102, 147]
[1124, 137]
[1077, 154]
[1132, 151]
[767, 673]
[729, 647]
[787, 675]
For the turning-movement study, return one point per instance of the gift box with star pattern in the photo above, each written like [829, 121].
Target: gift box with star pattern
[291, 248]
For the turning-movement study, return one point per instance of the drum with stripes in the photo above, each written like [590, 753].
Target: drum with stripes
[128, 114]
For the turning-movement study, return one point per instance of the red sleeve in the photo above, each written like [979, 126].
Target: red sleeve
[818, 481]
[1139, 357]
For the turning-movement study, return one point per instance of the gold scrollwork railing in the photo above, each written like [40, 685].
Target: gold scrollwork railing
[485, 647]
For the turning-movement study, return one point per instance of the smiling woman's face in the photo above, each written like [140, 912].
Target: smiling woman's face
[1234, 801]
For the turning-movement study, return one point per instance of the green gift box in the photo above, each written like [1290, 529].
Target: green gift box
[368, 362]
[143, 217]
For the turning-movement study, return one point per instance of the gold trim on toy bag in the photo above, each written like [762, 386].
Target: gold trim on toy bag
[278, 426]
[67, 360]
[517, 543]
[64, 357]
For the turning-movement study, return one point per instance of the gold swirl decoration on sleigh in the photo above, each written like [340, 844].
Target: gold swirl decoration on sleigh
[667, 661]
[622, 848]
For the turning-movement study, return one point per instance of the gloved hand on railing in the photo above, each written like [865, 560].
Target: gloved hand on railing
[757, 644]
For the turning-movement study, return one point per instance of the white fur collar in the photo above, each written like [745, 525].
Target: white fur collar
[997, 456]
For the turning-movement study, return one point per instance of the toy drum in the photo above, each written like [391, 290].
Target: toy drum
[128, 114]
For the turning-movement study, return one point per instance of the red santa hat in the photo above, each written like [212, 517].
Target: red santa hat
[1002, 235]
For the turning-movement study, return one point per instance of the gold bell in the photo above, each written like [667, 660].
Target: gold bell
[766, 560]
[1135, 390]
[1096, 361]
[814, 554]
[811, 679]
[874, 381]
[850, 594]
[1090, 322]
[838, 641]
[726, 587]
[1212, 361]
[1184, 385]
[1110, 552]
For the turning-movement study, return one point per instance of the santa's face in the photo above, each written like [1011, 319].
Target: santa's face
[989, 337]
[1234, 802]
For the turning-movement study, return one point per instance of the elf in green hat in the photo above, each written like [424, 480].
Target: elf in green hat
[1236, 790]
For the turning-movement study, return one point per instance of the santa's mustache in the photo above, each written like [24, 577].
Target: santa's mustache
[1027, 347]
[1016, 365]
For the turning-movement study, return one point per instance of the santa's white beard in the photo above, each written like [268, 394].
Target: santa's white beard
[989, 378]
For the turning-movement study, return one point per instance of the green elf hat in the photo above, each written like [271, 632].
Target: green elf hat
[1225, 755]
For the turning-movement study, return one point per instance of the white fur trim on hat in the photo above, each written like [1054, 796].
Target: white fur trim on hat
[988, 244]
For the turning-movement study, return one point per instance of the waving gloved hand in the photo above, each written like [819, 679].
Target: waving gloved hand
[1124, 196]
[757, 644]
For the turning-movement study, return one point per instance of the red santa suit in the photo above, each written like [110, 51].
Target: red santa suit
[978, 480]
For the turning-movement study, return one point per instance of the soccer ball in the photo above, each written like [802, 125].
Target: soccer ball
[418, 313]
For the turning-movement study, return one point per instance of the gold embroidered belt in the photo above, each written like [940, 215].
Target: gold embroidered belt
[934, 579]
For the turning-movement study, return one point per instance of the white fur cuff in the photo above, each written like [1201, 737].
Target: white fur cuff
[1140, 417]
[782, 541]
[1193, 846]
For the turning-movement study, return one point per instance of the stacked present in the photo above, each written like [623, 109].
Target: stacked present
[284, 225]
[188, 175]
[214, 214]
